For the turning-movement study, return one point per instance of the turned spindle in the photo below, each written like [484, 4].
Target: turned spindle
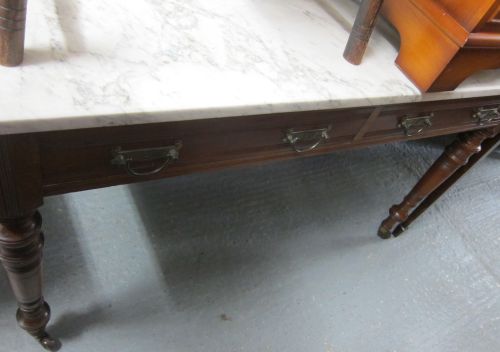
[455, 156]
[21, 238]
[21, 243]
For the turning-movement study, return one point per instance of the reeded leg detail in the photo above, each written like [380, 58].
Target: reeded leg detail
[21, 243]
[455, 156]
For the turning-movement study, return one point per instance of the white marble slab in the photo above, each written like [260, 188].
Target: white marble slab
[114, 62]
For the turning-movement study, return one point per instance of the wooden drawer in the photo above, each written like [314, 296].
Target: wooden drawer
[87, 155]
[430, 119]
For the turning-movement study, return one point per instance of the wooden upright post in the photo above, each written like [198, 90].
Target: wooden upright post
[362, 31]
[21, 238]
[12, 30]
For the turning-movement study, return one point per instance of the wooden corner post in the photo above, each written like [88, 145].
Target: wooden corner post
[21, 238]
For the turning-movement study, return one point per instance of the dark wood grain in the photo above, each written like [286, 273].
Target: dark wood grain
[12, 31]
[21, 239]
[80, 159]
[21, 243]
[20, 175]
[487, 147]
[455, 156]
[362, 31]
[35, 165]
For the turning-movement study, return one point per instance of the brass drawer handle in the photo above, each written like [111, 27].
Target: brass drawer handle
[163, 155]
[487, 115]
[305, 141]
[413, 126]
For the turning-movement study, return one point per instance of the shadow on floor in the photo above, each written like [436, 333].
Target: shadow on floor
[62, 246]
[217, 236]
[223, 227]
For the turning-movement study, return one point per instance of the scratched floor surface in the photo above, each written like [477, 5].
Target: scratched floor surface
[280, 257]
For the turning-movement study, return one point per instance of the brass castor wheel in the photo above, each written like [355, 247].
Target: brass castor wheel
[383, 233]
[35, 326]
[49, 343]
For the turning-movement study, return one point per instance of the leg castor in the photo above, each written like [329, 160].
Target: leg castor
[455, 156]
[21, 243]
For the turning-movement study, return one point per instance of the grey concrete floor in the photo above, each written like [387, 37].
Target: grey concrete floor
[279, 257]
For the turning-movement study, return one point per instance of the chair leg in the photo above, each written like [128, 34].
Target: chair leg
[455, 156]
[487, 147]
[362, 31]
[12, 29]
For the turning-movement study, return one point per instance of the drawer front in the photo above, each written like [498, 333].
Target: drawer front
[433, 119]
[71, 158]
[91, 158]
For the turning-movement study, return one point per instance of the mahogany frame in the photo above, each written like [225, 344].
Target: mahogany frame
[34, 165]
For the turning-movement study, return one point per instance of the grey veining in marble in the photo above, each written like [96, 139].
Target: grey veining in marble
[97, 63]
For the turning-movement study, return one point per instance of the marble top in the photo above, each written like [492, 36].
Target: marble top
[91, 63]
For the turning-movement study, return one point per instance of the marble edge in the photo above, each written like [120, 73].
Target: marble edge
[38, 124]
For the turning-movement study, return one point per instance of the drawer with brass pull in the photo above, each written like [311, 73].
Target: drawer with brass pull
[307, 140]
[147, 161]
[118, 155]
[487, 115]
[129, 154]
[432, 119]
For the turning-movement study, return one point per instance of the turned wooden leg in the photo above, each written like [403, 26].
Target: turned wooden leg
[21, 243]
[362, 31]
[21, 240]
[487, 147]
[12, 29]
[455, 156]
